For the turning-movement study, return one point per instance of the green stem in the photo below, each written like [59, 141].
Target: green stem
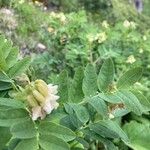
[11, 81]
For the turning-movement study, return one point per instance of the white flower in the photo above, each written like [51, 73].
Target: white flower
[51, 99]
[21, 1]
[59, 16]
[50, 29]
[111, 116]
[141, 50]
[48, 102]
[126, 24]
[138, 84]
[6, 11]
[101, 37]
[41, 46]
[53, 88]
[144, 38]
[37, 112]
[53, 14]
[130, 59]
[62, 17]
[91, 38]
[105, 24]
[133, 25]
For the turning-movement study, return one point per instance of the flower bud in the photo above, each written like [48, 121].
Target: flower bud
[38, 96]
[41, 81]
[111, 116]
[32, 101]
[42, 88]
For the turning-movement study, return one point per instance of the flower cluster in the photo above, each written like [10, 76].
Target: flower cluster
[100, 37]
[59, 16]
[105, 24]
[131, 59]
[141, 50]
[129, 24]
[42, 98]
[7, 19]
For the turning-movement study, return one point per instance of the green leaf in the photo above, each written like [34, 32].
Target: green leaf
[4, 77]
[92, 135]
[101, 129]
[11, 103]
[13, 143]
[109, 129]
[129, 78]
[142, 99]
[9, 117]
[5, 86]
[3, 65]
[56, 117]
[119, 112]
[3, 93]
[4, 137]
[19, 67]
[130, 101]
[106, 75]
[90, 81]
[63, 86]
[68, 108]
[74, 122]
[6, 46]
[28, 144]
[51, 142]
[12, 57]
[24, 130]
[110, 97]
[46, 128]
[71, 121]
[81, 112]
[116, 128]
[100, 106]
[83, 142]
[76, 87]
[139, 135]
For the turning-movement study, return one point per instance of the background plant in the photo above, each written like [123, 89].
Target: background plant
[88, 103]
[99, 108]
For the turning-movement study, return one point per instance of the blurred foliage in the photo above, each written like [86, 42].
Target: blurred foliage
[66, 34]
[73, 39]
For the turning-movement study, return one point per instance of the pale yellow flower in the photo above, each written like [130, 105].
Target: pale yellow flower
[131, 59]
[144, 38]
[111, 116]
[50, 29]
[59, 16]
[21, 1]
[50, 102]
[126, 24]
[141, 50]
[53, 14]
[133, 25]
[62, 17]
[138, 84]
[90, 38]
[38, 3]
[105, 24]
[101, 37]
[42, 99]
[37, 112]
[41, 46]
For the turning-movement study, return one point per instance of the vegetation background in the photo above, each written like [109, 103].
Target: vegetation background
[68, 34]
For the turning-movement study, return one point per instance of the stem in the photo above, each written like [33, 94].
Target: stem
[91, 55]
[11, 81]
